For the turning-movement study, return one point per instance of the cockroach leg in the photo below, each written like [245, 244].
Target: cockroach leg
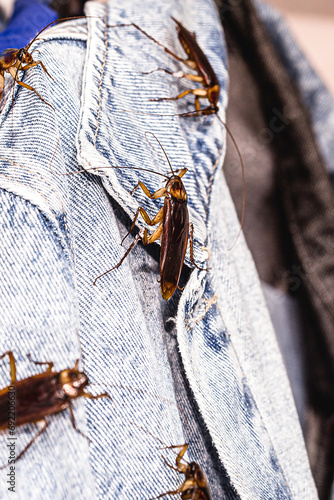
[13, 73]
[157, 194]
[157, 218]
[49, 363]
[39, 433]
[177, 74]
[171, 73]
[36, 50]
[98, 396]
[168, 464]
[31, 442]
[198, 105]
[133, 244]
[183, 94]
[198, 93]
[74, 423]
[153, 237]
[151, 222]
[12, 365]
[195, 485]
[2, 85]
[183, 448]
[36, 63]
[143, 235]
[44, 68]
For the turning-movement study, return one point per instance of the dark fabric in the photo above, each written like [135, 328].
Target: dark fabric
[305, 194]
[264, 221]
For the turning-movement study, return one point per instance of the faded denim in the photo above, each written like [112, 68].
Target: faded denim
[59, 233]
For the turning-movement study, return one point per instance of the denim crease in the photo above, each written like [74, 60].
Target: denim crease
[60, 233]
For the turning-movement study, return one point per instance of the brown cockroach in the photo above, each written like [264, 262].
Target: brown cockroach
[195, 485]
[174, 229]
[205, 75]
[14, 60]
[32, 399]
[196, 61]
[35, 397]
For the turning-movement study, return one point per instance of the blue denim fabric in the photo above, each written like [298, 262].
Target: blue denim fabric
[59, 233]
[286, 315]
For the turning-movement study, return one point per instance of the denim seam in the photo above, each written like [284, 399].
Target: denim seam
[101, 79]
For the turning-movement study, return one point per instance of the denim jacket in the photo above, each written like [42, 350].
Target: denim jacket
[60, 232]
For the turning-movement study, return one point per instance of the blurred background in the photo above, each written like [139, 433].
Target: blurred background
[313, 26]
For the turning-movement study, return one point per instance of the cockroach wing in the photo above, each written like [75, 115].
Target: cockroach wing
[4, 404]
[201, 481]
[35, 398]
[196, 54]
[174, 239]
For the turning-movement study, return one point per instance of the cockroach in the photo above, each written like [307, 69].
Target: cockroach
[196, 61]
[39, 396]
[32, 399]
[174, 229]
[195, 485]
[14, 60]
[205, 75]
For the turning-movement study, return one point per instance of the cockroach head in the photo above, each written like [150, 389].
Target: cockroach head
[24, 56]
[175, 189]
[73, 382]
[194, 470]
[21, 55]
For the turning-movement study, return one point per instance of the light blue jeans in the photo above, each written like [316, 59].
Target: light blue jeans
[60, 232]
